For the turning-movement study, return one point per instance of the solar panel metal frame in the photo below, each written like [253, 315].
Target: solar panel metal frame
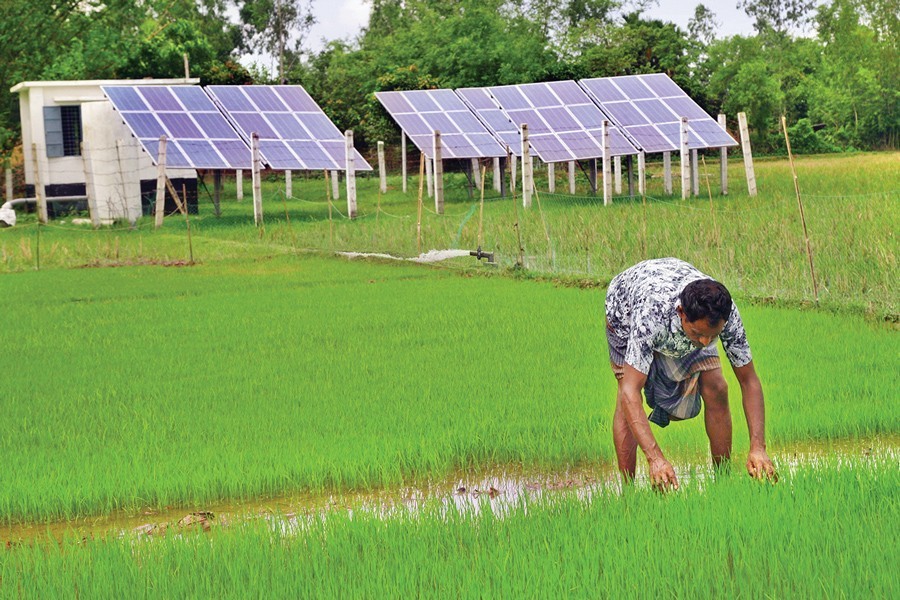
[294, 132]
[564, 123]
[420, 112]
[649, 108]
[198, 136]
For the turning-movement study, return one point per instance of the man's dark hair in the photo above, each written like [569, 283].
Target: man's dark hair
[706, 299]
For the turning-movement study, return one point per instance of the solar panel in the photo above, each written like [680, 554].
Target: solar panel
[198, 135]
[649, 108]
[420, 113]
[563, 123]
[294, 133]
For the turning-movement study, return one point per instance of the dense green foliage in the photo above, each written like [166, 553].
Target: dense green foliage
[821, 532]
[835, 66]
[152, 386]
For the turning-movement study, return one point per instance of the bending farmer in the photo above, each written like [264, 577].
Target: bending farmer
[663, 317]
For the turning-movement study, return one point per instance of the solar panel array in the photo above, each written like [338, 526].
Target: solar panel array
[198, 136]
[649, 108]
[422, 112]
[294, 133]
[563, 122]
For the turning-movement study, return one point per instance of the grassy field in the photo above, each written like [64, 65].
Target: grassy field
[154, 386]
[756, 245]
[150, 369]
[820, 533]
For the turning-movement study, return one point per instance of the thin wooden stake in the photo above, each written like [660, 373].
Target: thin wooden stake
[187, 222]
[481, 210]
[89, 187]
[39, 192]
[422, 162]
[712, 212]
[520, 261]
[812, 270]
[330, 222]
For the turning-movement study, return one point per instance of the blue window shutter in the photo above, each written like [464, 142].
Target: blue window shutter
[53, 131]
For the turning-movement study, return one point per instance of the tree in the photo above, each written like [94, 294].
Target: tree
[702, 26]
[776, 16]
[278, 28]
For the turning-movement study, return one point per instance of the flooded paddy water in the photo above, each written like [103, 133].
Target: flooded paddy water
[495, 488]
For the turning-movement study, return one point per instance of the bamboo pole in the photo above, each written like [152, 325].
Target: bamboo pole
[712, 213]
[330, 221]
[422, 161]
[403, 159]
[812, 270]
[187, 222]
[667, 172]
[481, 210]
[89, 187]
[520, 259]
[39, 192]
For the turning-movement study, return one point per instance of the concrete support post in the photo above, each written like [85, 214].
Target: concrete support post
[350, 173]
[685, 161]
[748, 155]
[607, 179]
[572, 177]
[723, 159]
[667, 172]
[527, 175]
[438, 174]
[382, 172]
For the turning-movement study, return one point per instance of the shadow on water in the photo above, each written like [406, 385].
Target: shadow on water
[497, 489]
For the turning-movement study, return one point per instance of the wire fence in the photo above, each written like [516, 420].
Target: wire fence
[753, 241]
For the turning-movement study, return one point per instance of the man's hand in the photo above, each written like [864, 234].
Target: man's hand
[662, 475]
[760, 466]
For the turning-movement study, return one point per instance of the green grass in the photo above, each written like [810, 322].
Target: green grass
[821, 532]
[754, 244]
[153, 386]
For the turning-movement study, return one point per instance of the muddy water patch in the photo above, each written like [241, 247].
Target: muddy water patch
[497, 489]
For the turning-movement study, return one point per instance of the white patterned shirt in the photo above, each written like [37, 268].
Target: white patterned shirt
[641, 305]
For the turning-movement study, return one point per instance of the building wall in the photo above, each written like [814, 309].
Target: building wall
[117, 162]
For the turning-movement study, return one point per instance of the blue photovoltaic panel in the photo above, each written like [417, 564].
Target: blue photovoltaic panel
[563, 122]
[294, 133]
[198, 136]
[649, 108]
[420, 113]
[480, 101]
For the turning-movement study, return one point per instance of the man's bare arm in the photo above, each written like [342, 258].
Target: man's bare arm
[758, 462]
[661, 472]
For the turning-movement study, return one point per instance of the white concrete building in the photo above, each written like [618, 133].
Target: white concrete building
[58, 117]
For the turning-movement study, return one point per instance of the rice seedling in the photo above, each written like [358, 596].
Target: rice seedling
[820, 532]
[154, 387]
